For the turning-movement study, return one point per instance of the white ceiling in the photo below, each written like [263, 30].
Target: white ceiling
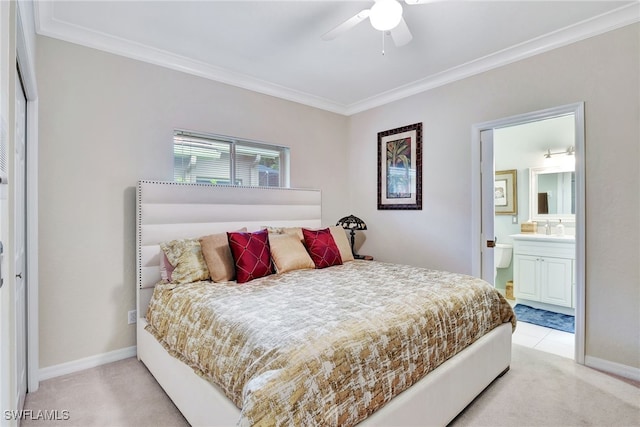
[274, 47]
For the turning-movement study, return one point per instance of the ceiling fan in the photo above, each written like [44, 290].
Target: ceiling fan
[385, 15]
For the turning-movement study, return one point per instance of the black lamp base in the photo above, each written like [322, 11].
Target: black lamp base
[353, 247]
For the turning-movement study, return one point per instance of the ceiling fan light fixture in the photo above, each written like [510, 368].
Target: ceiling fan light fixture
[385, 15]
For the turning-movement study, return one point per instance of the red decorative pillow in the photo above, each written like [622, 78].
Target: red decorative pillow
[322, 248]
[251, 254]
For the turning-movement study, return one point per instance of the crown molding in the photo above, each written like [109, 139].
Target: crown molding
[47, 25]
[609, 21]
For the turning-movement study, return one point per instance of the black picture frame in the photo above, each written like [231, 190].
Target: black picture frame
[400, 168]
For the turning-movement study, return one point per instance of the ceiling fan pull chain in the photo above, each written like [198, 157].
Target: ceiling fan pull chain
[382, 42]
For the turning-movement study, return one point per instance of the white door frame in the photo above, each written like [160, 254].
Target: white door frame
[476, 199]
[25, 44]
[6, 387]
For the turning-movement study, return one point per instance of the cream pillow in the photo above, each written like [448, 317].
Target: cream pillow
[296, 231]
[340, 237]
[217, 255]
[185, 255]
[288, 253]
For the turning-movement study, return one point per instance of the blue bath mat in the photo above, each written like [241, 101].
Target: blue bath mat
[549, 319]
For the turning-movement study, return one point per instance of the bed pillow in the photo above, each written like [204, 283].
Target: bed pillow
[342, 242]
[185, 255]
[321, 247]
[296, 231]
[251, 254]
[217, 255]
[166, 269]
[288, 253]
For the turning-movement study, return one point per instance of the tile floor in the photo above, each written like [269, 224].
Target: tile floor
[544, 339]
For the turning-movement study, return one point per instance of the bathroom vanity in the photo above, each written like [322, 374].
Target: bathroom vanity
[544, 271]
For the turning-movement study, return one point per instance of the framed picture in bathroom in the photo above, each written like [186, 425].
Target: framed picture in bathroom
[505, 192]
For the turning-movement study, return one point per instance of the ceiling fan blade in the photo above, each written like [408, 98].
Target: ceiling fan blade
[401, 34]
[346, 25]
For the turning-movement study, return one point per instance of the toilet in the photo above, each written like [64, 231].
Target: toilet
[501, 256]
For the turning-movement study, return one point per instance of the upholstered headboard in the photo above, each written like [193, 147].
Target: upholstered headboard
[169, 210]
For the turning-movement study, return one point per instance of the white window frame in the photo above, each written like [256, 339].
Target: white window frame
[234, 143]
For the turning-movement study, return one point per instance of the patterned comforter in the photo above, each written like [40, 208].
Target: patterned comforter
[323, 347]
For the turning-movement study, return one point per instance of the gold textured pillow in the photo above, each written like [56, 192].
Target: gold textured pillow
[217, 255]
[340, 237]
[185, 255]
[288, 253]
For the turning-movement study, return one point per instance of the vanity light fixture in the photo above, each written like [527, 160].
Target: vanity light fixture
[569, 152]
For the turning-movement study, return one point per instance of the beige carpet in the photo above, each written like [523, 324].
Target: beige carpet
[541, 389]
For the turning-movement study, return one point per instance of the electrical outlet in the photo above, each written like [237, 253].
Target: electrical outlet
[132, 316]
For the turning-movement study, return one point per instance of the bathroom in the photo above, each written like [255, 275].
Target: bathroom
[535, 207]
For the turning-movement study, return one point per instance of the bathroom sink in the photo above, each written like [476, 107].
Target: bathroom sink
[545, 237]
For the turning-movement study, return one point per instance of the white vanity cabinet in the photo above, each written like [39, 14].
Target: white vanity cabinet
[543, 269]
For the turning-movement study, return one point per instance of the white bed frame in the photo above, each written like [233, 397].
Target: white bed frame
[167, 210]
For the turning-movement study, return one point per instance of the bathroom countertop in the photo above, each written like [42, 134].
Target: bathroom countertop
[544, 237]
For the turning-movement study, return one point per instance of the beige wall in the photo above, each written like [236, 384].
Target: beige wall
[106, 122]
[604, 72]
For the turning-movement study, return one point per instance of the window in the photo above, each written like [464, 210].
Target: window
[214, 159]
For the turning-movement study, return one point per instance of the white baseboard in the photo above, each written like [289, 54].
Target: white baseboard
[86, 363]
[613, 368]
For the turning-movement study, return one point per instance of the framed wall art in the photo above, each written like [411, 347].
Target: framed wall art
[400, 168]
[505, 192]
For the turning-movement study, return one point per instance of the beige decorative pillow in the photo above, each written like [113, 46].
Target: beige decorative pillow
[296, 231]
[217, 255]
[288, 253]
[342, 242]
[185, 255]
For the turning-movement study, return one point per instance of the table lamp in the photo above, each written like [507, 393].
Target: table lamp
[352, 223]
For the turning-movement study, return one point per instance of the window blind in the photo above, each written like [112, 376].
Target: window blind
[213, 159]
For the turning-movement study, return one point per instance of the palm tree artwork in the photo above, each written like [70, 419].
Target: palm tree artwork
[399, 168]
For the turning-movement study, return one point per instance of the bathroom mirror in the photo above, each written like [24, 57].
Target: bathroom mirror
[552, 194]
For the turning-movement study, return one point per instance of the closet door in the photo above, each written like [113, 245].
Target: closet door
[20, 245]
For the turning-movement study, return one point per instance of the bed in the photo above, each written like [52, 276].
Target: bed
[306, 366]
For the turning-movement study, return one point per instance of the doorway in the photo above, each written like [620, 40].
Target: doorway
[486, 225]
